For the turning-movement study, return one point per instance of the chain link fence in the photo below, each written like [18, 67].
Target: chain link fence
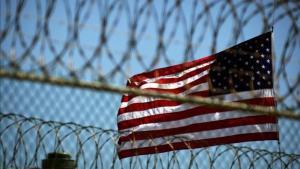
[98, 42]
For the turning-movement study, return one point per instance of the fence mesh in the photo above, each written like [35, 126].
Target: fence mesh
[99, 41]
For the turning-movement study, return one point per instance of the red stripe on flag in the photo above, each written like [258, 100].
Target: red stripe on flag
[157, 103]
[170, 70]
[142, 135]
[199, 143]
[177, 79]
[188, 113]
[178, 90]
[181, 89]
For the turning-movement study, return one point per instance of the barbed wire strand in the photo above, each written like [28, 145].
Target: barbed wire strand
[133, 91]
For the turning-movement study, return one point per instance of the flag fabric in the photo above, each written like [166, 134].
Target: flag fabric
[242, 73]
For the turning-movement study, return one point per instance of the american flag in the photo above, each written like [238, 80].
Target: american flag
[242, 73]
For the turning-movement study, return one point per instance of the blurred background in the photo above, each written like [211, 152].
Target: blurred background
[107, 41]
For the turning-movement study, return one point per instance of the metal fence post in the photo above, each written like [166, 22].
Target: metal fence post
[58, 160]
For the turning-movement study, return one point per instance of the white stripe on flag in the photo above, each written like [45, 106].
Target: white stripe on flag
[179, 74]
[175, 84]
[155, 111]
[257, 128]
[185, 106]
[188, 121]
[142, 99]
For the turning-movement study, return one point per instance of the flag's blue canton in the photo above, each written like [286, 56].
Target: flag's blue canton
[246, 66]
